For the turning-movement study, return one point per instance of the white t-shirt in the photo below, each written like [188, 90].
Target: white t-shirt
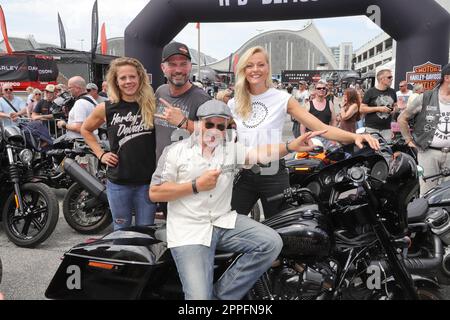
[302, 96]
[442, 135]
[78, 114]
[402, 99]
[265, 123]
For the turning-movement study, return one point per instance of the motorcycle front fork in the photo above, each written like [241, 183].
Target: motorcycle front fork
[15, 178]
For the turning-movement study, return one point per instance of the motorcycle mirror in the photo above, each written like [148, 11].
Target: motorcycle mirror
[420, 171]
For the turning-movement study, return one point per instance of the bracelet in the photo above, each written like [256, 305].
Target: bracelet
[194, 186]
[182, 123]
[287, 147]
[101, 157]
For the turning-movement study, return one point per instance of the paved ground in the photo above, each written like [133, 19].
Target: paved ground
[27, 272]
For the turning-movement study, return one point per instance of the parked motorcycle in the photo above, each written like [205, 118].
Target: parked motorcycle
[430, 229]
[29, 209]
[331, 250]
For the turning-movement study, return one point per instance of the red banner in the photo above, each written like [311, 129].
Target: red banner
[104, 40]
[5, 31]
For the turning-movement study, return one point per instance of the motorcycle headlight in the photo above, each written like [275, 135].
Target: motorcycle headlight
[26, 156]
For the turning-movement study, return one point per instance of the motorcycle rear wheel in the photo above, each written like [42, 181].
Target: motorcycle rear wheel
[81, 219]
[41, 206]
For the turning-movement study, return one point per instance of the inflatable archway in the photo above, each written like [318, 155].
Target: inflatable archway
[420, 27]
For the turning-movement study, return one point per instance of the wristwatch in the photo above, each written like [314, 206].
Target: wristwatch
[287, 147]
[194, 186]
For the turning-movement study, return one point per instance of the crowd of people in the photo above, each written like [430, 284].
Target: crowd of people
[170, 148]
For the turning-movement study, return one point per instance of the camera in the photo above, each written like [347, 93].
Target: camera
[62, 105]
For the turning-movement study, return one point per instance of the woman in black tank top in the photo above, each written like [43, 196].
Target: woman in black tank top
[131, 162]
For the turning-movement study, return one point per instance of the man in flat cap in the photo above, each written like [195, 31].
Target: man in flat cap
[195, 176]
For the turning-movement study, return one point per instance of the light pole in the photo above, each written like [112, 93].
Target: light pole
[81, 41]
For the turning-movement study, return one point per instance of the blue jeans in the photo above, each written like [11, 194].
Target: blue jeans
[123, 199]
[259, 245]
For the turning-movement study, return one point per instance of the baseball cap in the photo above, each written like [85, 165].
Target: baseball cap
[214, 108]
[91, 86]
[50, 88]
[174, 48]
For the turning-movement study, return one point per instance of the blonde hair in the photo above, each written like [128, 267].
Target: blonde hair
[145, 96]
[242, 89]
[223, 93]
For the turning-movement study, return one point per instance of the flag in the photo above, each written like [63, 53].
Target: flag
[104, 40]
[94, 30]
[5, 31]
[235, 62]
[62, 33]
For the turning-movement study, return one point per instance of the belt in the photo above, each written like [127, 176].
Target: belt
[257, 168]
[444, 150]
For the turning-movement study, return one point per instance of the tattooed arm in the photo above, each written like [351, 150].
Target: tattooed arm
[413, 108]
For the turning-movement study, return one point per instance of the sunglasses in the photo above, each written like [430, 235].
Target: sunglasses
[220, 126]
[7, 89]
[37, 94]
[323, 88]
[390, 78]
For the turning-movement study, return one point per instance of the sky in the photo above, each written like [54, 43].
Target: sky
[39, 18]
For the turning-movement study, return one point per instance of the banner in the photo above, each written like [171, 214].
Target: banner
[5, 31]
[312, 76]
[427, 74]
[19, 68]
[94, 31]
[104, 40]
[62, 33]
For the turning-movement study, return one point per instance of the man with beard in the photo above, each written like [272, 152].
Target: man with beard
[178, 100]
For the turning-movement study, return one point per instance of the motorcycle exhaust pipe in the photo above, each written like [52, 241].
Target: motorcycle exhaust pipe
[421, 265]
[85, 179]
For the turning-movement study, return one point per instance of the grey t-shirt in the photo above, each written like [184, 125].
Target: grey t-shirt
[187, 102]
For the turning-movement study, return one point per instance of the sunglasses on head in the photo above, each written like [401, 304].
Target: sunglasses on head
[220, 126]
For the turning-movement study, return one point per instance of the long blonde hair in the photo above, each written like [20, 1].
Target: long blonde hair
[242, 89]
[145, 96]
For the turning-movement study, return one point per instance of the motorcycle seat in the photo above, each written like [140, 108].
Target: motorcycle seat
[417, 210]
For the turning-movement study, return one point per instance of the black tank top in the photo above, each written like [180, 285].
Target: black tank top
[324, 116]
[132, 142]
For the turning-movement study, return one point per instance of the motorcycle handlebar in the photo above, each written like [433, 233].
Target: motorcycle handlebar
[444, 173]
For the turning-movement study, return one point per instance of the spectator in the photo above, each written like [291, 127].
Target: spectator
[104, 92]
[430, 133]
[11, 107]
[378, 105]
[349, 113]
[43, 109]
[92, 89]
[80, 111]
[37, 97]
[302, 96]
[224, 95]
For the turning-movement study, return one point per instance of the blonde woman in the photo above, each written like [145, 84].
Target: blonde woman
[224, 95]
[259, 111]
[129, 116]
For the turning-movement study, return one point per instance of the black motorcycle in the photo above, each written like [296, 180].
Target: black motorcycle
[331, 250]
[429, 224]
[29, 209]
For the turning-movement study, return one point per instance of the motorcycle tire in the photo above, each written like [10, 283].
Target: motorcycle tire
[43, 218]
[425, 293]
[76, 215]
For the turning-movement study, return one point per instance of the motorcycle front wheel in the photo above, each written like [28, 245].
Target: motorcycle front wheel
[39, 219]
[84, 213]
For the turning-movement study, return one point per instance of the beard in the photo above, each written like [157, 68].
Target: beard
[178, 83]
